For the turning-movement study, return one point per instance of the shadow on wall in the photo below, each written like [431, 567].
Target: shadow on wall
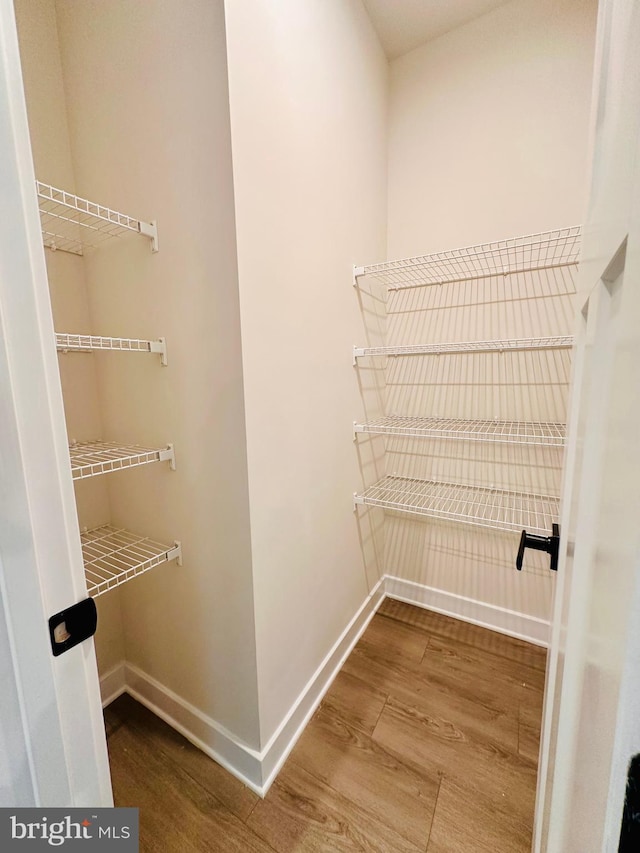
[498, 387]
[372, 299]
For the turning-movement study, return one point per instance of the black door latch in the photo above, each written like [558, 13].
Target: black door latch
[550, 544]
[73, 625]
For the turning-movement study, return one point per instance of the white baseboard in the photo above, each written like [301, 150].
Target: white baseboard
[511, 622]
[258, 769]
[113, 683]
[203, 731]
[255, 769]
[285, 737]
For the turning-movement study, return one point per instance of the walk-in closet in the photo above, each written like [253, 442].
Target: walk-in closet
[312, 271]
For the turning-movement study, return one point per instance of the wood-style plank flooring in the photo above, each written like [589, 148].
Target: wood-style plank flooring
[426, 741]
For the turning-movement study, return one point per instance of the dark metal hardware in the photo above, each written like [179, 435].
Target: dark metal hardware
[630, 829]
[73, 625]
[550, 544]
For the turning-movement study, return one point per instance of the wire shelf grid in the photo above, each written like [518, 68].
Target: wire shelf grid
[73, 224]
[113, 556]
[505, 345]
[499, 509]
[546, 250]
[89, 343]
[92, 458]
[508, 432]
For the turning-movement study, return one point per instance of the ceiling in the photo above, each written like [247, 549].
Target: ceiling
[404, 24]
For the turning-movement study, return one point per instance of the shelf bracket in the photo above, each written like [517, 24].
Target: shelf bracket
[150, 230]
[357, 271]
[160, 346]
[169, 456]
[175, 553]
[358, 352]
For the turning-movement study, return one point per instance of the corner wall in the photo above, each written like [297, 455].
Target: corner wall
[308, 87]
[488, 139]
[51, 148]
[147, 98]
[489, 127]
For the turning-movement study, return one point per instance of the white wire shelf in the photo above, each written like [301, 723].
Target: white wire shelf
[90, 343]
[507, 432]
[113, 556]
[506, 345]
[547, 250]
[92, 458]
[498, 509]
[73, 224]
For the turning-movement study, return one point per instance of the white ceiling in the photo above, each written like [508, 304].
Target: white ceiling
[404, 24]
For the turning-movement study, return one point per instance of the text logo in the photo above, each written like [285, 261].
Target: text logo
[72, 829]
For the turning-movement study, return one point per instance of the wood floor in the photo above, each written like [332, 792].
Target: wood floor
[427, 740]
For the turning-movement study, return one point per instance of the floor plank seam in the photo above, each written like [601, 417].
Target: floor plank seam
[435, 808]
[386, 702]
[179, 769]
[519, 726]
[253, 807]
[412, 749]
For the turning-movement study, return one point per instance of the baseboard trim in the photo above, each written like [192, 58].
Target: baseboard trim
[285, 737]
[113, 683]
[203, 731]
[256, 769]
[511, 622]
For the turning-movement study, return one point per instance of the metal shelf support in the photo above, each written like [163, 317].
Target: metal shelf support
[113, 556]
[498, 509]
[493, 431]
[499, 346]
[72, 224]
[94, 458]
[91, 343]
[547, 250]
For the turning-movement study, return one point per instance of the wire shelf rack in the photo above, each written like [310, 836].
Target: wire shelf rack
[74, 224]
[498, 509]
[113, 556]
[546, 250]
[507, 432]
[92, 458]
[90, 343]
[506, 345]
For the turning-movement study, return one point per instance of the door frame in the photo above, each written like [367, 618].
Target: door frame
[611, 232]
[64, 753]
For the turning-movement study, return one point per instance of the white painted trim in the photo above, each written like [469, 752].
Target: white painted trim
[286, 735]
[113, 683]
[61, 756]
[256, 769]
[203, 731]
[511, 622]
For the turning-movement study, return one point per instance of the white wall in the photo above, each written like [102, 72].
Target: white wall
[488, 128]
[308, 86]
[488, 139]
[151, 136]
[51, 148]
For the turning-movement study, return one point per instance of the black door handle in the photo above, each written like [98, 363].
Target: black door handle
[550, 544]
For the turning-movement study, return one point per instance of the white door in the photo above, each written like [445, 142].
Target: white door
[52, 741]
[592, 704]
